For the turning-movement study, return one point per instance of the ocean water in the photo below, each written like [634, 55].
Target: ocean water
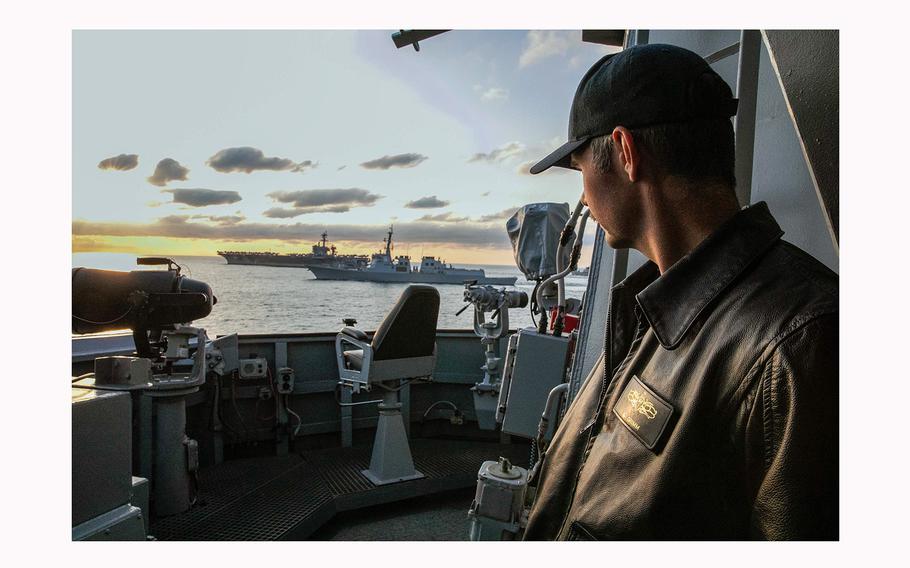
[265, 299]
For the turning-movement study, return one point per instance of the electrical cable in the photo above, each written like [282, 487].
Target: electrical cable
[218, 408]
[85, 376]
[234, 403]
[432, 406]
[292, 413]
[532, 305]
[274, 415]
[195, 479]
[115, 320]
[573, 264]
[256, 412]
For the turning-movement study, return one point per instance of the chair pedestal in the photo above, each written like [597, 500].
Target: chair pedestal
[391, 461]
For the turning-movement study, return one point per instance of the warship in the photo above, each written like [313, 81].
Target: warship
[406, 432]
[322, 254]
[385, 268]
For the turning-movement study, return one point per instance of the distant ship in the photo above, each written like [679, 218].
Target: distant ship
[383, 268]
[581, 271]
[322, 255]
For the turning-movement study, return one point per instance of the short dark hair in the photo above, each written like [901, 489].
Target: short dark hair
[697, 151]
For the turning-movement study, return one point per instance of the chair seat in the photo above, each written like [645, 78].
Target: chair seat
[354, 359]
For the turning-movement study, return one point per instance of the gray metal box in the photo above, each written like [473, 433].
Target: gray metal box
[102, 446]
[539, 365]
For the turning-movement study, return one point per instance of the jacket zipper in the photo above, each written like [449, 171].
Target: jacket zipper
[608, 378]
[608, 371]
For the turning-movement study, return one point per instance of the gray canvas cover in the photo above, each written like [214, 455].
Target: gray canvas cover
[534, 231]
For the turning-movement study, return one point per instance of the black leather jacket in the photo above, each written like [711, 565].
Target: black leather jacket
[718, 418]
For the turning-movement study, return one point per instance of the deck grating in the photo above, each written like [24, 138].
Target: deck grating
[291, 496]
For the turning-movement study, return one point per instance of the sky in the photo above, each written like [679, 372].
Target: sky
[190, 142]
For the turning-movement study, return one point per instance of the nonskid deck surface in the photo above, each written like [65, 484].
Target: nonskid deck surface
[290, 497]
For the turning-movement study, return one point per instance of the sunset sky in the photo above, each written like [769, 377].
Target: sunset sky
[189, 142]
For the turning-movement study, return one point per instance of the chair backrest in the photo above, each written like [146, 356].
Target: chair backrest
[409, 329]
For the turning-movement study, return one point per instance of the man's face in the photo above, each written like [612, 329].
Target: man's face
[610, 196]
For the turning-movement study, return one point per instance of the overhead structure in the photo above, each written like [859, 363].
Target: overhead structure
[412, 37]
[401, 38]
[806, 63]
[616, 38]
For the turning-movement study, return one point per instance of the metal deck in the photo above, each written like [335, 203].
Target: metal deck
[290, 497]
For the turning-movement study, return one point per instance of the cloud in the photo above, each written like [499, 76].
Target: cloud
[167, 170]
[500, 154]
[469, 234]
[485, 193]
[342, 167]
[247, 159]
[504, 214]
[495, 94]
[282, 213]
[447, 217]
[203, 197]
[515, 151]
[429, 202]
[89, 244]
[222, 219]
[321, 201]
[396, 161]
[121, 163]
[304, 166]
[541, 44]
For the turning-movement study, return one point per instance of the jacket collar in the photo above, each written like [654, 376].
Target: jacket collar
[672, 301]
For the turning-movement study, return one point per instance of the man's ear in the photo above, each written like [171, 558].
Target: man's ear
[627, 152]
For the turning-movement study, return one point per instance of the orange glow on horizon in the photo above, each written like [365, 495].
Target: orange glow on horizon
[206, 247]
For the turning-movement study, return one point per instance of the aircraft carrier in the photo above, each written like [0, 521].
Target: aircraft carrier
[322, 255]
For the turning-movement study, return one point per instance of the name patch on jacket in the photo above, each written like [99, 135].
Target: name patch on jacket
[644, 413]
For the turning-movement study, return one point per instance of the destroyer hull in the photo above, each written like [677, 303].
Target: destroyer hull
[323, 273]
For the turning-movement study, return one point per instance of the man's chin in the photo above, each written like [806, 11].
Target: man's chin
[616, 242]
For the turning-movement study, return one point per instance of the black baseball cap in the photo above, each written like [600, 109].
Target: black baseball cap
[642, 86]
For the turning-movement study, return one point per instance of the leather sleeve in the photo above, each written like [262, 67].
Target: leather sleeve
[792, 437]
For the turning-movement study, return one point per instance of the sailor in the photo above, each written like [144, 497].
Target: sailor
[713, 413]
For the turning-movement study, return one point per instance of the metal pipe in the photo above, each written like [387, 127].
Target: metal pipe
[172, 480]
[576, 244]
[747, 93]
[555, 394]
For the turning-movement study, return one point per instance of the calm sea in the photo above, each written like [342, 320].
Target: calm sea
[265, 299]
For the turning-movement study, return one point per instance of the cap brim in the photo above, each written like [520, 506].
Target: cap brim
[561, 156]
